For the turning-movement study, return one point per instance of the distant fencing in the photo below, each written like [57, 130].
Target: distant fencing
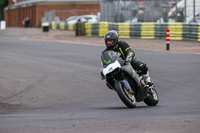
[150, 10]
[146, 30]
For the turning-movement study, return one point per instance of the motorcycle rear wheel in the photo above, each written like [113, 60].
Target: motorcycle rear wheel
[152, 97]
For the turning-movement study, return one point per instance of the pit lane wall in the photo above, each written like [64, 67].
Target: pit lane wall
[178, 31]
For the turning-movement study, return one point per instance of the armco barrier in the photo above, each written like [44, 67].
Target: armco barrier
[178, 31]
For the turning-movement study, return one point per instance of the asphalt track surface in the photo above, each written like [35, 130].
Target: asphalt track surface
[53, 87]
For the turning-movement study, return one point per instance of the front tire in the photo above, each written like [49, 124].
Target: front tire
[152, 97]
[127, 98]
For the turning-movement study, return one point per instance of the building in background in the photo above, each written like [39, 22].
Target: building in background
[38, 10]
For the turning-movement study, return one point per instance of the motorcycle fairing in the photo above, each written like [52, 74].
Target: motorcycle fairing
[111, 67]
[109, 57]
[129, 70]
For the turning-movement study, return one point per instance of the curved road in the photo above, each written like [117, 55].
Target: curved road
[51, 87]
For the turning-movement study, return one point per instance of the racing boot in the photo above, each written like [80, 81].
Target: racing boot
[147, 79]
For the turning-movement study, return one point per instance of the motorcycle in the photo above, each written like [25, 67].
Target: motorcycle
[121, 77]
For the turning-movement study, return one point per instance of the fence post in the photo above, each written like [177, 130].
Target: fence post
[167, 40]
[194, 11]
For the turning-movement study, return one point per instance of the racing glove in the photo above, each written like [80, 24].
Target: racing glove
[129, 57]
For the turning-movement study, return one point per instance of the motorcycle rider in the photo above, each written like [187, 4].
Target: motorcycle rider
[126, 53]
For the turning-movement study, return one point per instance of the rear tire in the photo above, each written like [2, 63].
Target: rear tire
[152, 97]
[127, 98]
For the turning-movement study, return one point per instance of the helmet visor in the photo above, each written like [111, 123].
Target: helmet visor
[110, 42]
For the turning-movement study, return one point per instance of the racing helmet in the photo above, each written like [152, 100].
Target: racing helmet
[111, 39]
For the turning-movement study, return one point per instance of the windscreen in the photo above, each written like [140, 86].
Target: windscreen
[109, 57]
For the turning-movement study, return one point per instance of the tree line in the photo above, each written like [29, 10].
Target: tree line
[3, 4]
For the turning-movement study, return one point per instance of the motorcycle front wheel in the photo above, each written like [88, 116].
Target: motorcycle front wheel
[128, 98]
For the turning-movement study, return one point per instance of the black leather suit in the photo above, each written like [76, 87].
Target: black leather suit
[124, 49]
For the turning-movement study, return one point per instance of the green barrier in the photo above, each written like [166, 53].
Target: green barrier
[186, 28]
[95, 29]
[79, 28]
[95, 32]
[135, 33]
[113, 26]
[135, 30]
[178, 31]
[186, 35]
[58, 26]
[160, 30]
[66, 26]
[95, 26]
[198, 33]
[135, 27]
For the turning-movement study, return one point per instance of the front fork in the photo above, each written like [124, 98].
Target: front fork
[127, 86]
[124, 82]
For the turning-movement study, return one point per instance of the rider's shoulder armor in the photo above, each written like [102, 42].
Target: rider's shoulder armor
[124, 49]
[123, 44]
